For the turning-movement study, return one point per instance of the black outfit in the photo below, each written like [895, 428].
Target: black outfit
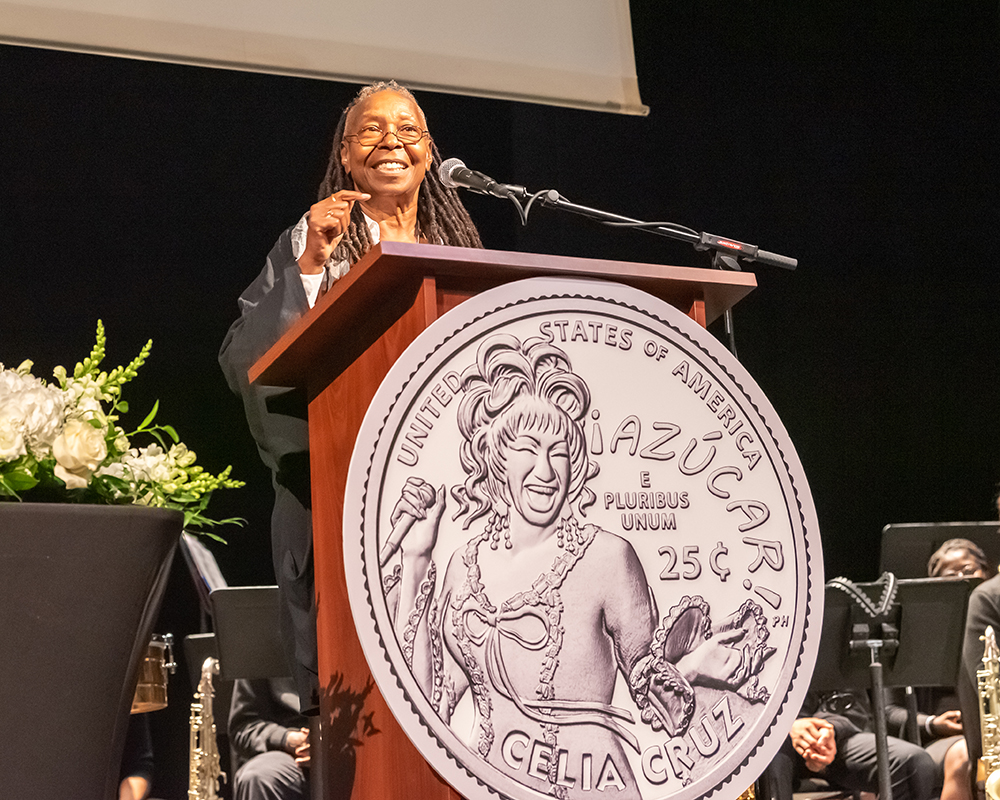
[930, 701]
[137, 758]
[984, 611]
[277, 419]
[855, 767]
[262, 714]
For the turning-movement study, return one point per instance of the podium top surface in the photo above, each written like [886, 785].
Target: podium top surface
[390, 265]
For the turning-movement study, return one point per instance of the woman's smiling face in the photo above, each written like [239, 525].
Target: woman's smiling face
[537, 467]
[388, 168]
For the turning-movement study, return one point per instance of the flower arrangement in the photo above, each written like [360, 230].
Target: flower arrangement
[61, 442]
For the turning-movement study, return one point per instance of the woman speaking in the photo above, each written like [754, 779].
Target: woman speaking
[381, 184]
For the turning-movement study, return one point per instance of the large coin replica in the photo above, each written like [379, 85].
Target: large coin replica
[581, 553]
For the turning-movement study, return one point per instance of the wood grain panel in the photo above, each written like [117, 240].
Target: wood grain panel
[384, 764]
[339, 353]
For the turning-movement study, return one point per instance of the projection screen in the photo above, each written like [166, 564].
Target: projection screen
[575, 53]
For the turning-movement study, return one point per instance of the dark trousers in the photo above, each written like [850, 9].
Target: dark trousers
[911, 770]
[271, 776]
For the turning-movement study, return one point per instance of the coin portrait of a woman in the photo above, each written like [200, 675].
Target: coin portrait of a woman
[539, 614]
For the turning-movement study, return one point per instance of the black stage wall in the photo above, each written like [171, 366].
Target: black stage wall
[861, 140]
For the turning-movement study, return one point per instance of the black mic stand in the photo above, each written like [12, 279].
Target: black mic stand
[550, 198]
[720, 261]
[725, 252]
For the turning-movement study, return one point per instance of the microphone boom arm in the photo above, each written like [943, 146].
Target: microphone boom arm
[550, 198]
[455, 175]
[725, 252]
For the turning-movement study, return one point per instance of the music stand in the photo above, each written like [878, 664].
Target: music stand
[247, 631]
[853, 645]
[205, 573]
[248, 634]
[931, 610]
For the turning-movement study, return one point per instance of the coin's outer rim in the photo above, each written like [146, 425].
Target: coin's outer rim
[421, 354]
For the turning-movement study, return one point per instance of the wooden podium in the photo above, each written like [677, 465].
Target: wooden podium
[338, 355]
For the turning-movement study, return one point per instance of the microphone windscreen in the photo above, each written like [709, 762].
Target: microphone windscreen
[445, 170]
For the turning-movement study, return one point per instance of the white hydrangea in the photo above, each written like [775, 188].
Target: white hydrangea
[32, 409]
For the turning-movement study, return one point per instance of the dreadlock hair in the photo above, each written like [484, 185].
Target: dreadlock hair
[441, 217]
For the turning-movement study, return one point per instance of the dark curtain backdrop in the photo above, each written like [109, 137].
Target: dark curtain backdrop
[861, 140]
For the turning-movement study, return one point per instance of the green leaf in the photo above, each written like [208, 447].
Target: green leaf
[210, 535]
[150, 417]
[19, 479]
[155, 433]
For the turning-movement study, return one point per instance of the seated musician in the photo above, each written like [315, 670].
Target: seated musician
[270, 741]
[984, 611]
[956, 558]
[834, 735]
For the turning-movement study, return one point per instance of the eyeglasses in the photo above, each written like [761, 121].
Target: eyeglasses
[967, 571]
[371, 135]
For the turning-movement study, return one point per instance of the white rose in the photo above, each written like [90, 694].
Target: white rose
[11, 440]
[79, 451]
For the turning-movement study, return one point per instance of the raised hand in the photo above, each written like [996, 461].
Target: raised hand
[329, 219]
[415, 520]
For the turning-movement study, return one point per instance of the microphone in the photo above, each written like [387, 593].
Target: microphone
[455, 175]
[399, 531]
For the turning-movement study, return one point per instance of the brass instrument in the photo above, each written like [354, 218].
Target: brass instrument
[205, 772]
[988, 680]
[151, 688]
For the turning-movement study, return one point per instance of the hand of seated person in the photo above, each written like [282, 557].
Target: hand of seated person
[297, 743]
[814, 740]
[947, 724]
[133, 788]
